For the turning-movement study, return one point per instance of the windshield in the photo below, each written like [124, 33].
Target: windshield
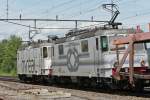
[139, 47]
[45, 53]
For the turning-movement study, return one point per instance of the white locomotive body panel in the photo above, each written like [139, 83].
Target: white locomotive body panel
[74, 62]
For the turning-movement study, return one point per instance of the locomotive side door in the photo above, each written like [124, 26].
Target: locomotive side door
[103, 52]
[44, 55]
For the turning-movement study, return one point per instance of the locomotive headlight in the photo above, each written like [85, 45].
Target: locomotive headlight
[142, 62]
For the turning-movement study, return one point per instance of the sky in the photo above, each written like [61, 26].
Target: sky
[132, 13]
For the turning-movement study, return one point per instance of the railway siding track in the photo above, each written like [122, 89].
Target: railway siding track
[11, 87]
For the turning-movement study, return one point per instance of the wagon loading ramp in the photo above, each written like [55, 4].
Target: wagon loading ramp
[133, 74]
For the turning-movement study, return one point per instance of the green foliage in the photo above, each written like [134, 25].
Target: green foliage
[8, 54]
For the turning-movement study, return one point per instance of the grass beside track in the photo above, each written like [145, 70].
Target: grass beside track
[12, 73]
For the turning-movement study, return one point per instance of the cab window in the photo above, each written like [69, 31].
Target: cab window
[104, 43]
[139, 47]
[61, 49]
[45, 54]
[84, 46]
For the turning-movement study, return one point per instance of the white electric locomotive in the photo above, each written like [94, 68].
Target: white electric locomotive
[84, 57]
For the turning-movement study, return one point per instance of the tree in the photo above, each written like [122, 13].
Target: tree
[8, 53]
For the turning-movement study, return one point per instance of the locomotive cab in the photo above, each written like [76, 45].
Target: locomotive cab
[34, 61]
[108, 54]
[109, 49]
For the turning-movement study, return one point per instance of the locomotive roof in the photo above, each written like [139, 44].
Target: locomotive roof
[93, 32]
[77, 35]
[35, 45]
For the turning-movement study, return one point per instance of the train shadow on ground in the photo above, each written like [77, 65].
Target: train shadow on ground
[144, 94]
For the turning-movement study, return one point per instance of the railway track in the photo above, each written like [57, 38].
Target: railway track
[12, 83]
[9, 78]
